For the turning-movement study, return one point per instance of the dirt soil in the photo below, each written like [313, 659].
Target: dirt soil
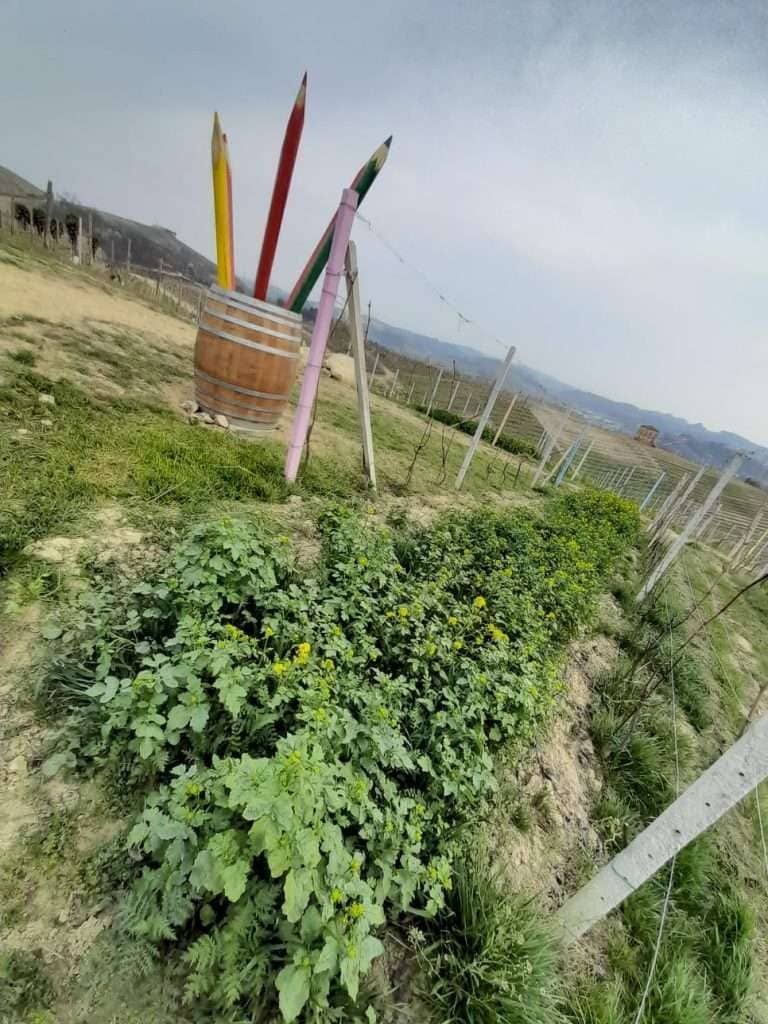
[557, 785]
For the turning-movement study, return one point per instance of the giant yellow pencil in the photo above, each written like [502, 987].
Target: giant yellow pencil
[221, 206]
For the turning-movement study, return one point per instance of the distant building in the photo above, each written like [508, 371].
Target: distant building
[19, 198]
[647, 435]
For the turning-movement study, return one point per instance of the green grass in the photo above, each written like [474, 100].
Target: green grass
[489, 957]
[114, 449]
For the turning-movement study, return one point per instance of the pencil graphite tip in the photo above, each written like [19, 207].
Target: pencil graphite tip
[301, 95]
[381, 154]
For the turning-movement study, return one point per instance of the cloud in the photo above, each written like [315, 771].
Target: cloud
[584, 180]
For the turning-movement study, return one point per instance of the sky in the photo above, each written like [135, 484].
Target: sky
[584, 180]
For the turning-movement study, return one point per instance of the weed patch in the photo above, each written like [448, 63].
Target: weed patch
[311, 748]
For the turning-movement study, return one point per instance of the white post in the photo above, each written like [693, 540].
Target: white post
[466, 404]
[706, 522]
[550, 444]
[751, 552]
[652, 491]
[80, 240]
[358, 347]
[678, 505]
[504, 420]
[498, 384]
[692, 524]
[410, 393]
[434, 392]
[745, 539]
[394, 383]
[373, 370]
[668, 502]
[721, 787]
[582, 460]
[454, 392]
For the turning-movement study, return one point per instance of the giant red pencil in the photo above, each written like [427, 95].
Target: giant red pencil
[285, 167]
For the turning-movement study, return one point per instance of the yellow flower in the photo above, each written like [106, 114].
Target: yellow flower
[268, 631]
[457, 645]
[430, 649]
[362, 561]
[452, 620]
[335, 630]
[302, 653]
[279, 667]
[479, 602]
[403, 611]
[498, 634]
[356, 910]
[328, 665]
[336, 895]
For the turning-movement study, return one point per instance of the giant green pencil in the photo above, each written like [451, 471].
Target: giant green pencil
[361, 183]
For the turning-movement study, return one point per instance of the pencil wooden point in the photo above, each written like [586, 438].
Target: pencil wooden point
[221, 206]
[361, 183]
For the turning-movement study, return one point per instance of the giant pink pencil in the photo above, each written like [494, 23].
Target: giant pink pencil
[341, 231]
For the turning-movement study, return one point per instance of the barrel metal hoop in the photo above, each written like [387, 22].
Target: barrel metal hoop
[207, 396]
[246, 309]
[253, 304]
[236, 387]
[251, 344]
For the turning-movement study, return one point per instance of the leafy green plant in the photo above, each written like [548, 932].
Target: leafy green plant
[24, 983]
[488, 957]
[312, 747]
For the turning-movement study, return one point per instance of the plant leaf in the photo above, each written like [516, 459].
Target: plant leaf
[293, 985]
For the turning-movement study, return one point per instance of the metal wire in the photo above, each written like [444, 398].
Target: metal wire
[668, 894]
[430, 285]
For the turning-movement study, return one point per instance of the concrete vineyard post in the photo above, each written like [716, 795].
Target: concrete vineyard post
[647, 499]
[503, 423]
[358, 347]
[373, 370]
[434, 391]
[410, 392]
[466, 404]
[693, 523]
[582, 460]
[483, 421]
[394, 383]
[732, 777]
[454, 391]
[333, 272]
[548, 447]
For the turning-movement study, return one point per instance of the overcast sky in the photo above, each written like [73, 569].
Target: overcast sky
[584, 180]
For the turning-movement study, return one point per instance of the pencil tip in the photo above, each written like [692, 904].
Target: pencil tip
[304, 79]
[388, 142]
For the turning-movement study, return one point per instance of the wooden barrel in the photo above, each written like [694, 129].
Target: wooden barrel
[246, 357]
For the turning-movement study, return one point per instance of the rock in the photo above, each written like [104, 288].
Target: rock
[18, 766]
[221, 421]
[204, 417]
[46, 423]
[189, 407]
[21, 432]
[46, 399]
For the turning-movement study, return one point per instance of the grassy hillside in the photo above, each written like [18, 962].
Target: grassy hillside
[276, 753]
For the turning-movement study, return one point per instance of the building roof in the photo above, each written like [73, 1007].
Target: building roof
[12, 185]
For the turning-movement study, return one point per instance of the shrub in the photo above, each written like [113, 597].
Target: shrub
[312, 747]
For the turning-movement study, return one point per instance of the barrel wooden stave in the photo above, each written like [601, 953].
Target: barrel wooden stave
[246, 359]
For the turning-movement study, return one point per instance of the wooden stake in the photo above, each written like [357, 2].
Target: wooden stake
[483, 421]
[358, 348]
